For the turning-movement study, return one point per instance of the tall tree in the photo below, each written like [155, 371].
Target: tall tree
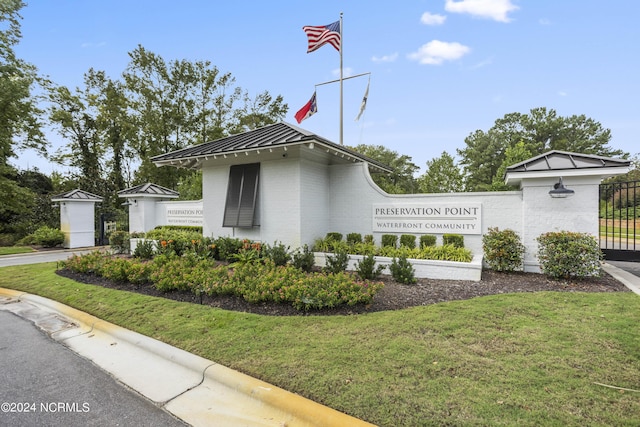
[402, 180]
[442, 176]
[512, 155]
[158, 94]
[20, 125]
[180, 103]
[115, 130]
[541, 130]
[76, 122]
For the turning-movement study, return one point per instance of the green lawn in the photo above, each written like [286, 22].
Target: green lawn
[12, 250]
[520, 359]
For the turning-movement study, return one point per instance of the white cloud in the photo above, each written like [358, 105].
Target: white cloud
[385, 58]
[483, 63]
[432, 19]
[492, 9]
[562, 93]
[436, 52]
[544, 21]
[346, 72]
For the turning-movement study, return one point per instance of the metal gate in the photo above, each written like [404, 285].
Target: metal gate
[620, 220]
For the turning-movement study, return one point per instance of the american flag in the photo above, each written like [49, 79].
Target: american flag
[323, 34]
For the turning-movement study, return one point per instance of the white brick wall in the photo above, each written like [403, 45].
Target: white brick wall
[301, 199]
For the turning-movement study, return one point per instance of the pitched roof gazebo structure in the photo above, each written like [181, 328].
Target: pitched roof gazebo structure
[268, 184]
[273, 141]
[141, 200]
[77, 217]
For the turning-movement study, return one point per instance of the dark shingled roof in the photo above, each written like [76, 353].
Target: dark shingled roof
[562, 160]
[276, 135]
[77, 194]
[149, 190]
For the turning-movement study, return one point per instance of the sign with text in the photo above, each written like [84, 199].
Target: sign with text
[422, 218]
[184, 215]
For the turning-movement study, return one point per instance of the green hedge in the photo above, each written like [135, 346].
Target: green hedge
[567, 254]
[503, 250]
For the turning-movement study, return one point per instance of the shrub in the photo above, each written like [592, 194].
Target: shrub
[303, 259]
[402, 271]
[140, 272]
[227, 247]
[353, 238]
[389, 240]
[368, 238]
[145, 249]
[47, 237]
[427, 240]
[188, 228]
[366, 268]
[456, 240]
[278, 253]
[7, 239]
[337, 263]
[116, 269]
[119, 242]
[567, 254]
[334, 237]
[321, 245]
[408, 241]
[503, 250]
[90, 263]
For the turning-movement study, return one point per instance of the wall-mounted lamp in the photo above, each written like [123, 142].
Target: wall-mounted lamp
[560, 191]
[55, 205]
[129, 202]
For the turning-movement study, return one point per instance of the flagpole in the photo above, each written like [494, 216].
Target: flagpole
[341, 47]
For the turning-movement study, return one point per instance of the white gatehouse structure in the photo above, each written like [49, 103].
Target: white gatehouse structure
[283, 183]
[77, 217]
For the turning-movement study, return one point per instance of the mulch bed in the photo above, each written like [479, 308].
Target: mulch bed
[393, 296]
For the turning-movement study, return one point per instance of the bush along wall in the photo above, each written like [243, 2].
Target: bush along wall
[568, 254]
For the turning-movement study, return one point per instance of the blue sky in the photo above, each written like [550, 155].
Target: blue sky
[440, 69]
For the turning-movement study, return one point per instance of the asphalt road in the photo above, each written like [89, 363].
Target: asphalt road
[40, 257]
[44, 383]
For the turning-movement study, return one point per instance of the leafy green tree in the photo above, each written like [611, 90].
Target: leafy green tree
[161, 112]
[75, 120]
[180, 103]
[541, 130]
[115, 129]
[442, 176]
[402, 180]
[20, 124]
[513, 155]
[190, 187]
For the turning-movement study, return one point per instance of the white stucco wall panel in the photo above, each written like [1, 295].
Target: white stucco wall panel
[77, 223]
[303, 197]
[353, 194]
[314, 201]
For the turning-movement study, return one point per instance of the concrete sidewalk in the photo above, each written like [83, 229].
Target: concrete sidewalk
[196, 390]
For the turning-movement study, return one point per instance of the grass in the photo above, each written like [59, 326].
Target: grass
[519, 359]
[12, 250]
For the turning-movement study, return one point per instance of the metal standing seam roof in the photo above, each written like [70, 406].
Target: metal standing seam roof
[78, 195]
[276, 135]
[563, 160]
[148, 189]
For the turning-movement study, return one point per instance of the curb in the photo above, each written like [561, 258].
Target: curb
[196, 390]
[629, 280]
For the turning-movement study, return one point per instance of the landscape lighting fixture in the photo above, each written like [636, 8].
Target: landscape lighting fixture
[560, 191]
